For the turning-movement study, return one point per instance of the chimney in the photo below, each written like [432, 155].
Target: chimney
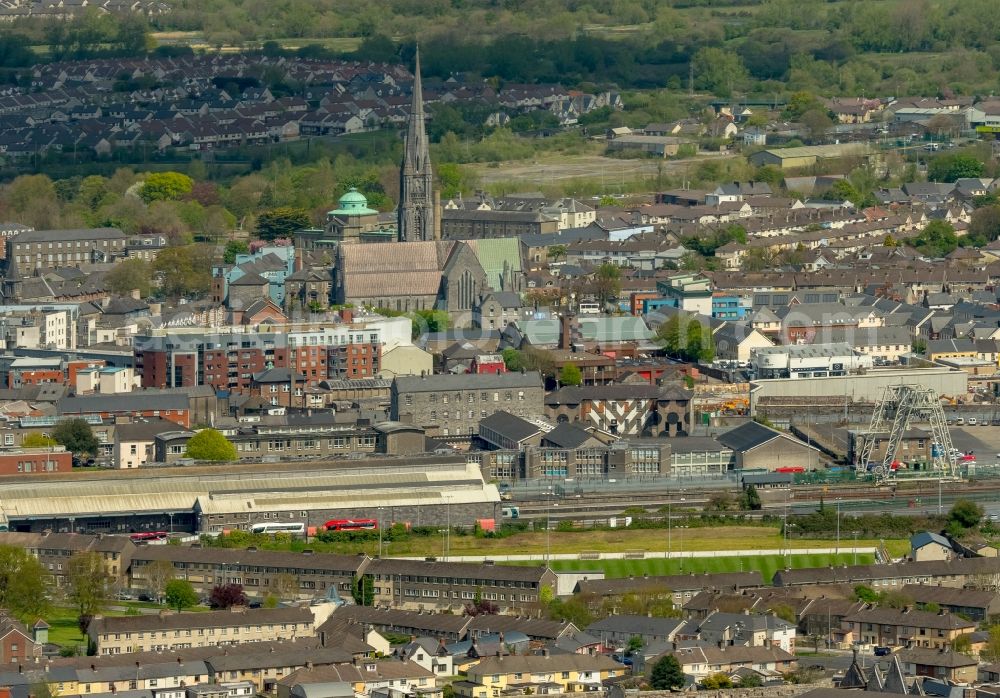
[565, 333]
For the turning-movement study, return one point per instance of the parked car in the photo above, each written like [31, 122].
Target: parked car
[883, 651]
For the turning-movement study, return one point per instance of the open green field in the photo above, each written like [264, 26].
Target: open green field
[64, 631]
[574, 542]
[767, 565]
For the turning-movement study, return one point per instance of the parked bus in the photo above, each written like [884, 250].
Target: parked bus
[296, 528]
[351, 525]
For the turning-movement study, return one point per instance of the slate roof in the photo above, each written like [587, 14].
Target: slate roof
[932, 657]
[919, 540]
[467, 381]
[567, 436]
[70, 234]
[509, 426]
[637, 625]
[747, 437]
[211, 619]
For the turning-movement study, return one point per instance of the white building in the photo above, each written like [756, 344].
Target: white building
[808, 361]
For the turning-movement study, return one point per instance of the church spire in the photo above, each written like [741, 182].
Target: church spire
[415, 213]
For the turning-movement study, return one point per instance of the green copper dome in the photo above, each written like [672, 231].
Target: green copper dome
[353, 203]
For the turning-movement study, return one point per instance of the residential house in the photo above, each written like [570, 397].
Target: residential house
[541, 674]
[701, 661]
[167, 631]
[944, 664]
[906, 627]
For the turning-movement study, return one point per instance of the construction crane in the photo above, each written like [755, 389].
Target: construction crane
[893, 412]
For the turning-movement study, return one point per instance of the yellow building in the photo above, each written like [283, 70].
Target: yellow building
[546, 673]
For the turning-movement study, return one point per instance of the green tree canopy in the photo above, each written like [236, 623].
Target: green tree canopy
[24, 584]
[570, 375]
[951, 166]
[130, 275]
[281, 222]
[233, 248]
[607, 282]
[185, 271]
[88, 583]
[76, 435]
[512, 359]
[180, 594]
[210, 445]
[667, 674]
[165, 186]
[965, 513]
[937, 239]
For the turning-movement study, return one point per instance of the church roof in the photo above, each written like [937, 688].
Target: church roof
[381, 269]
[496, 255]
[353, 203]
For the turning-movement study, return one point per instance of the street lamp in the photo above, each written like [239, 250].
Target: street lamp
[548, 527]
[838, 525]
[380, 531]
[681, 546]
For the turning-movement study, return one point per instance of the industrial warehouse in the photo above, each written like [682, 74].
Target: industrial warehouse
[422, 490]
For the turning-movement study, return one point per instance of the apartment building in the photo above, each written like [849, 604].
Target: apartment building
[545, 673]
[169, 631]
[50, 326]
[54, 550]
[52, 249]
[904, 627]
[231, 358]
[257, 570]
[448, 586]
[453, 405]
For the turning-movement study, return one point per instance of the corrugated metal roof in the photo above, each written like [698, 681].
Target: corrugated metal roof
[454, 482]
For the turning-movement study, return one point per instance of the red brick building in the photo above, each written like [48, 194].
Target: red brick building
[34, 461]
[17, 646]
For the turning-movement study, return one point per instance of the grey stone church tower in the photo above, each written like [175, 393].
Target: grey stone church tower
[416, 213]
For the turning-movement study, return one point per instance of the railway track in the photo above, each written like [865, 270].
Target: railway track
[592, 507]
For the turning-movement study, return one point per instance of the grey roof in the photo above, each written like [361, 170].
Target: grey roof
[143, 430]
[748, 436]
[567, 436]
[674, 583]
[919, 540]
[138, 401]
[211, 619]
[574, 395]
[509, 426]
[467, 381]
[534, 628]
[936, 657]
[86, 234]
[636, 625]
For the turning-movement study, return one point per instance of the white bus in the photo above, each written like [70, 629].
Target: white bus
[294, 528]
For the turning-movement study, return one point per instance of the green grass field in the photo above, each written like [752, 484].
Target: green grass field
[767, 565]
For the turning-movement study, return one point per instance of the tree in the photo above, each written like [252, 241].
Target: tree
[962, 643]
[607, 282]
[865, 593]
[512, 359]
[129, 275]
[158, 574]
[165, 186]
[282, 222]
[185, 271]
[180, 594]
[227, 596]
[233, 248]
[965, 513]
[38, 441]
[210, 445]
[751, 680]
[817, 123]
[937, 239]
[88, 584]
[716, 681]
[985, 223]
[667, 674]
[635, 644]
[895, 599]
[286, 586]
[751, 499]
[481, 607]
[718, 70]
[24, 584]
[557, 252]
[363, 590]
[570, 375]
[76, 435]
[951, 166]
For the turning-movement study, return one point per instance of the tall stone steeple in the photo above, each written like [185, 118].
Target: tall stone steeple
[415, 213]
